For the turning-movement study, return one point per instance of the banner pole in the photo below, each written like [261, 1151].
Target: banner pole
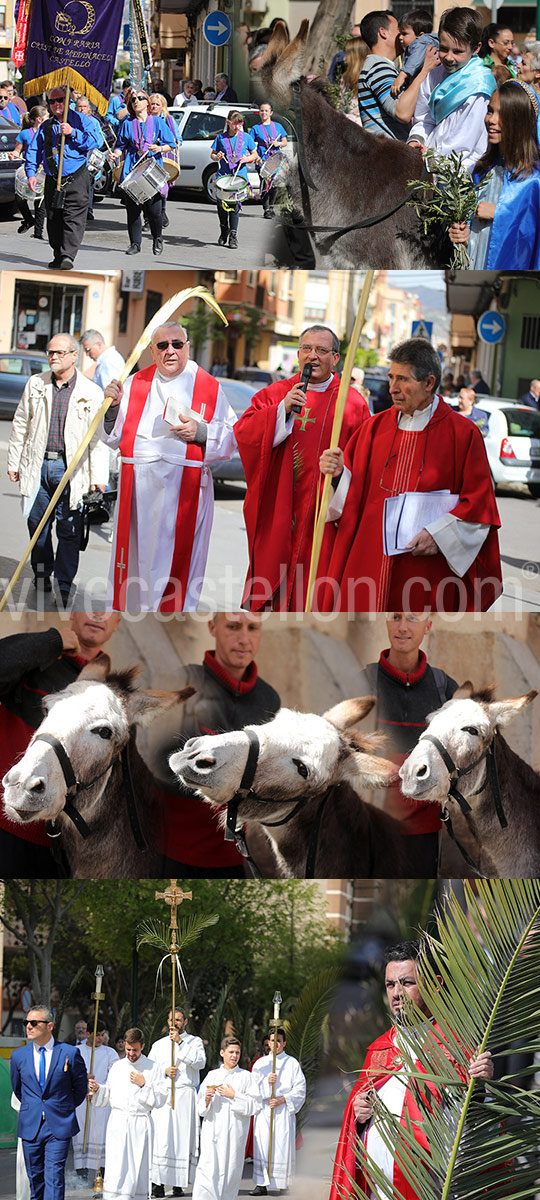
[63, 141]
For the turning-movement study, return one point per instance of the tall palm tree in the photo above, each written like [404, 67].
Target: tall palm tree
[479, 976]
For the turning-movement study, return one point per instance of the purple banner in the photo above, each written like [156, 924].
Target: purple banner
[73, 42]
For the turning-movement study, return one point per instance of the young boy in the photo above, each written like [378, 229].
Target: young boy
[415, 35]
[227, 1099]
[290, 1093]
[453, 99]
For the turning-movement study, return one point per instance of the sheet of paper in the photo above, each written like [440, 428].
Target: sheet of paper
[407, 514]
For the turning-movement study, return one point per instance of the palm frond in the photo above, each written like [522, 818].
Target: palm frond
[153, 932]
[216, 1025]
[304, 1028]
[481, 1138]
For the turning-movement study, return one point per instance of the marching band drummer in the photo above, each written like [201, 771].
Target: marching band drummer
[158, 108]
[139, 133]
[270, 137]
[232, 151]
[83, 106]
[31, 123]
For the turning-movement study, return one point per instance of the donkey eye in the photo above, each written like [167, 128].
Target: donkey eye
[470, 729]
[103, 731]
[301, 767]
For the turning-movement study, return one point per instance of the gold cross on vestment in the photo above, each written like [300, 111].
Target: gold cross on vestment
[304, 419]
[173, 896]
[121, 566]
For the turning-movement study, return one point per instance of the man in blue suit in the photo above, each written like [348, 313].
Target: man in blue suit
[49, 1078]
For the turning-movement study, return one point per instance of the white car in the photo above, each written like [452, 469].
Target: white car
[199, 125]
[512, 442]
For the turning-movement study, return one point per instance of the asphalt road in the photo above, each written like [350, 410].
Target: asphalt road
[189, 242]
[228, 558]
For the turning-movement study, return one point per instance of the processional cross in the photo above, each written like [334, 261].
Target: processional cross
[174, 897]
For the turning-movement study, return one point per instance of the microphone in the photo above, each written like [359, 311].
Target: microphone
[303, 383]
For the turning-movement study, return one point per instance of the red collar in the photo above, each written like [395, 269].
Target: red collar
[237, 686]
[406, 677]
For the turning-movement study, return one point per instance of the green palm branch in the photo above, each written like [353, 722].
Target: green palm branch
[156, 933]
[483, 1139]
[305, 1026]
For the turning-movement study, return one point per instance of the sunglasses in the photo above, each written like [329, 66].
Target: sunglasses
[140, 97]
[176, 345]
[35, 1022]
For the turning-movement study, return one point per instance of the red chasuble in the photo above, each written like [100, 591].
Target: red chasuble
[282, 485]
[382, 1059]
[205, 392]
[385, 461]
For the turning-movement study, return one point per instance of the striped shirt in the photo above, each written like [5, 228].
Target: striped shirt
[62, 393]
[377, 107]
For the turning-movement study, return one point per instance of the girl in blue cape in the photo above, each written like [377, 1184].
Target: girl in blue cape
[505, 232]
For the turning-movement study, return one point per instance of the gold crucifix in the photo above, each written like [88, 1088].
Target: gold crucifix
[305, 420]
[173, 896]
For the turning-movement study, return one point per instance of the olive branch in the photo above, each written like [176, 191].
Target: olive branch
[449, 196]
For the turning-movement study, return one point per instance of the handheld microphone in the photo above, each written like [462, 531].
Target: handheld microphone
[303, 383]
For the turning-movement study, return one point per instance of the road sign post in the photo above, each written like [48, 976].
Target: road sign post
[217, 28]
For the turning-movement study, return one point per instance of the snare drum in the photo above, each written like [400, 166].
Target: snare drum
[171, 162]
[22, 187]
[231, 189]
[275, 169]
[95, 162]
[144, 181]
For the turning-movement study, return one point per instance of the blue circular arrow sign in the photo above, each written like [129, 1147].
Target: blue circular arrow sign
[217, 28]
[491, 327]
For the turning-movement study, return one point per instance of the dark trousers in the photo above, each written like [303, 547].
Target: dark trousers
[45, 1160]
[68, 529]
[228, 216]
[152, 212]
[269, 198]
[38, 219]
[66, 226]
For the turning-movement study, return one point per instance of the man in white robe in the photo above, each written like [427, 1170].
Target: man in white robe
[93, 1158]
[290, 1093]
[176, 1130]
[227, 1100]
[134, 1087]
[169, 422]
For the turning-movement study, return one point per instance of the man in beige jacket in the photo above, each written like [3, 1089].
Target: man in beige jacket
[52, 417]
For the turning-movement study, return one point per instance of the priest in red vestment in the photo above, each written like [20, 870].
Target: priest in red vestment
[280, 450]
[383, 1072]
[449, 561]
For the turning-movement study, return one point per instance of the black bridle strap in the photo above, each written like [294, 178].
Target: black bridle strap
[131, 803]
[445, 816]
[314, 839]
[231, 833]
[456, 773]
[72, 785]
[497, 798]
[62, 756]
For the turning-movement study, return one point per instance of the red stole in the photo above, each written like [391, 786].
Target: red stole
[282, 486]
[385, 460]
[382, 1059]
[205, 391]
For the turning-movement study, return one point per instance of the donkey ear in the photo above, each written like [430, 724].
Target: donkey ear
[144, 707]
[98, 670]
[465, 691]
[282, 67]
[504, 711]
[348, 712]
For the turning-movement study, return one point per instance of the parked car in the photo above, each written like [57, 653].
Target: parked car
[376, 383]
[512, 442]
[258, 375]
[239, 396]
[16, 366]
[8, 136]
[199, 125]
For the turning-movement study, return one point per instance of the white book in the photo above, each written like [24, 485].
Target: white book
[174, 409]
[407, 514]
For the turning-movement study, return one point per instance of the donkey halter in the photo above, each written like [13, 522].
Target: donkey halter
[454, 793]
[74, 787]
[236, 834]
